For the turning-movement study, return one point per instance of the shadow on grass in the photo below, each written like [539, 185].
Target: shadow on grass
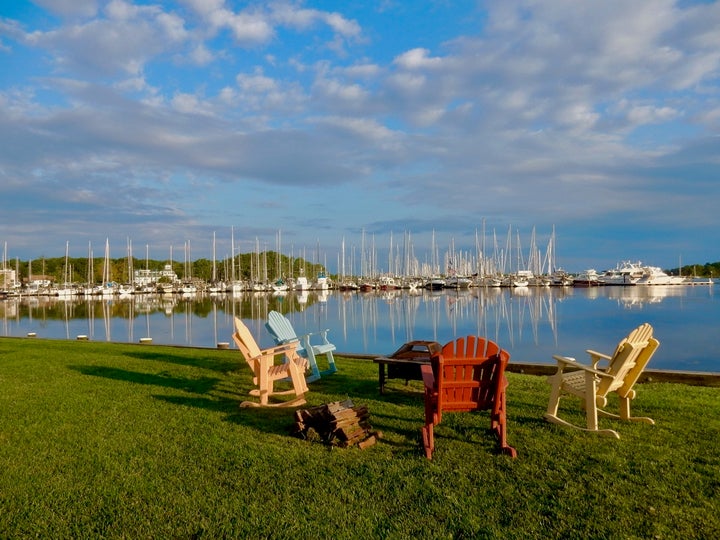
[272, 420]
[211, 362]
[201, 385]
[340, 383]
[209, 396]
[222, 405]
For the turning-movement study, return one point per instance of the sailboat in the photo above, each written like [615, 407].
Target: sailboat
[108, 287]
[236, 287]
[188, 288]
[66, 291]
[280, 285]
[215, 286]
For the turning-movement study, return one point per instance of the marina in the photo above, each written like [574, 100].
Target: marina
[533, 323]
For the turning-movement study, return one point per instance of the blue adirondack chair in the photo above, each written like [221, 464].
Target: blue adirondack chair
[282, 331]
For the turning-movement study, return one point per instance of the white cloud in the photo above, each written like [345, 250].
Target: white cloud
[173, 26]
[301, 18]
[186, 103]
[417, 59]
[258, 24]
[335, 90]
[122, 42]
[341, 25]
[428, 116]
[201, 55]
[646, 114]
[205, 7]
[259, 94]
[370, 135]
[367, 128]
[407, 82]
[711, 118]
[257, 83]
[246, 27]
[121, 10]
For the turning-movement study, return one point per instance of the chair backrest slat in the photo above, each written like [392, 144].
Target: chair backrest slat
[280, 327]
[245, 340]
[625, 358]
[467, 372]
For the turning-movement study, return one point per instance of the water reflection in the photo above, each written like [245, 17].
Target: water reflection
[533, 323]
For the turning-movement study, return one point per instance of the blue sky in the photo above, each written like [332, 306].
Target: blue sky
[165, 123]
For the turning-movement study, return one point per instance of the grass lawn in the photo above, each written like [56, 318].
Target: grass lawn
[102, 440]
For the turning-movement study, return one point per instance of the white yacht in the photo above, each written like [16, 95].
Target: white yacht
[654, 275]
[625, 273]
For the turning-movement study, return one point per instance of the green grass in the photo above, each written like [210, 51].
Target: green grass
[103, 440]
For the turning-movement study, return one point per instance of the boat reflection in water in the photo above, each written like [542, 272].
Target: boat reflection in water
[533, 323]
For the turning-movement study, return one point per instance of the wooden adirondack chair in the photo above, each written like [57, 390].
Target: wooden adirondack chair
[593, 384]
[467, 375]
[282, 331]
[266, 371]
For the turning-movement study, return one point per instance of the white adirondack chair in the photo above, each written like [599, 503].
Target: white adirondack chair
[282, 332]
[593, 384]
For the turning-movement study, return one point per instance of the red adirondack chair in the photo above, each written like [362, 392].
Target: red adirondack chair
[467, 375]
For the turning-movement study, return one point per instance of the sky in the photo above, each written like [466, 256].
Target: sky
[320, 128]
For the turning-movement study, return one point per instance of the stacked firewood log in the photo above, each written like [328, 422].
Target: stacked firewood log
[339, 423]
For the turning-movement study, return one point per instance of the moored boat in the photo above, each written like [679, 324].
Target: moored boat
[588, 278]
[654, 275]
[625, 273]
[521, 278]
[435, 283]
[458, 282]
[387, 283]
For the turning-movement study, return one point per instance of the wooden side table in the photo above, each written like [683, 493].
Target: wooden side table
[406, 361]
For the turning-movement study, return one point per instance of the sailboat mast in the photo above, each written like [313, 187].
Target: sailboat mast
[214, 267]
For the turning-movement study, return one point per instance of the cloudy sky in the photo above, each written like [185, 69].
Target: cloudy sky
[163, 123]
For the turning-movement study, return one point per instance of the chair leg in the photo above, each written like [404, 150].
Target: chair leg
[431, 418]
[331, 364]
[428, 440]
[554, 401]
[625, 412]
[297, 378]
[591, 413]
[499, 425]
[312, 361]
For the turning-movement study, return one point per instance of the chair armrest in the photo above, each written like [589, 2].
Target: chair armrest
[322, 333]
[596, 357]
[567, 361]
[285, 347]
[287, 340]
[428, 376]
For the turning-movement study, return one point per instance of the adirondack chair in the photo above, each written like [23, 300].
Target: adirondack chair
[266, 372]
[282, 331]
[467, 375]
[593, 384]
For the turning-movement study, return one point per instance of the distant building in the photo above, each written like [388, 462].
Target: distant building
[151, 277]
[39, 281]
[7, 279]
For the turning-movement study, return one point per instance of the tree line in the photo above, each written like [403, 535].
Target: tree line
[247, 266]
[704, 270]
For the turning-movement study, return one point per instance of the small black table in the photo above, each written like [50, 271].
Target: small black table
[406, 361]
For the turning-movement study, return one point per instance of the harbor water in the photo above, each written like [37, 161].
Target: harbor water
[532, 323]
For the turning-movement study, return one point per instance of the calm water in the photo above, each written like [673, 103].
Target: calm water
[533, 324]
